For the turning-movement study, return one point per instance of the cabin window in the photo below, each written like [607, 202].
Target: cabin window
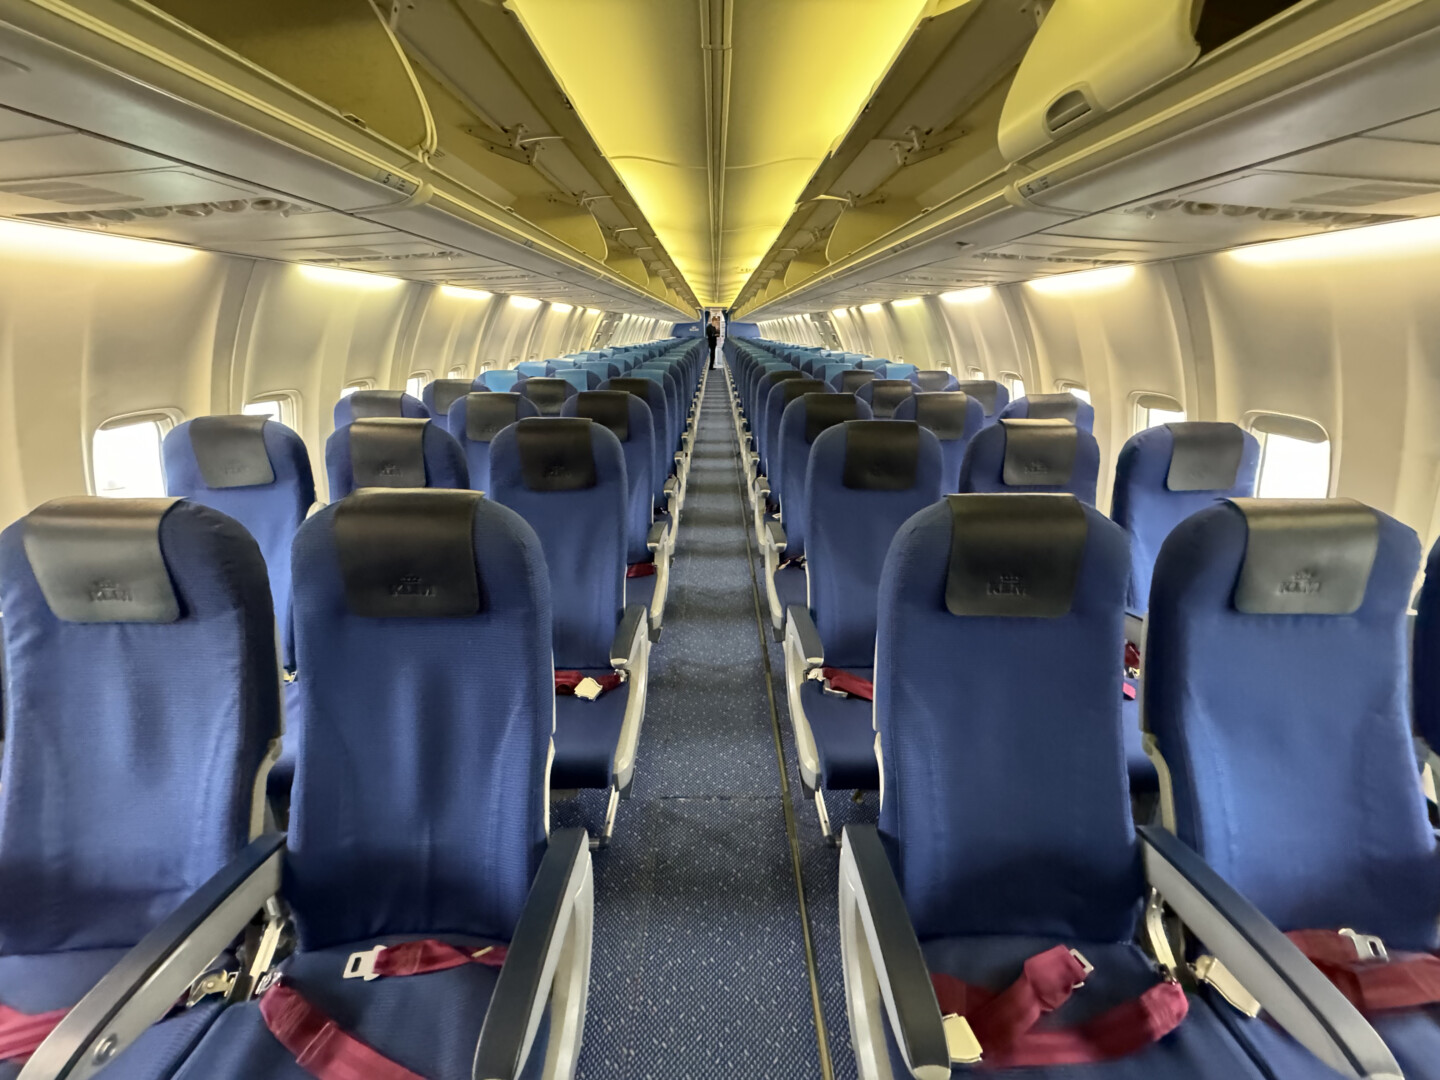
[125, 460]
[1294, 457]
[1152, 410]
[1014, 383]
[350, 388]
[1075, 389]
[457, 373]
[977, 374]
[282, 408]
[415, 384]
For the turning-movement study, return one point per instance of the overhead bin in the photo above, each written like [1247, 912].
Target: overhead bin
[1089, 57]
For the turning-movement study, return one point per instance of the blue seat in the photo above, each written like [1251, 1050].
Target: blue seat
[503, 381]
[440, 394]
[1063, 406]
[782, 391]
[476, 419]
[1005, 830]
[831, 372]
[547, 395]
[864, 480]
[602, 369]
[1168, 472]
[933, 379]
[885, 395]
[1034, 457]
[143, 698]
[419, 803]
[258, 472]
[566, 477]
[652, 394]
[393, 453]
[1275, 685]
[993, 397]
[868, 363]
[1426, 666]
[906, 372]
[374, 404]
[533, 369]
[581, 379]
[954, 416]
[851, 379]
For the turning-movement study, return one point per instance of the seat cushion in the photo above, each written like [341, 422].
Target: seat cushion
[39, 984]
[1200, 1048]
[640, 590]
[428, 1023]
[791, 586]
[1143, 779]
[585, 736]
[844, 731]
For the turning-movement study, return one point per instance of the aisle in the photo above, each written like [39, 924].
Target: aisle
[699, 968]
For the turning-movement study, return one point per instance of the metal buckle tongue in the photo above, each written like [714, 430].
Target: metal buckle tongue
[960, 1042]
[1086, 968]
[361, 965]
[1367, 946]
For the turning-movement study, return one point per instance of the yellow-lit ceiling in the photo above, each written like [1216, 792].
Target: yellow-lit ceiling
[716, 113]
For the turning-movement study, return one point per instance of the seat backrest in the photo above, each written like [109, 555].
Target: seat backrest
[495, 379]
[993, 397]
[871, 364]
[533, 369]
[579, 378]
[831, 372]
[851, 380]
[653, 395]
[883, 395]
[933, 379]
[371, 404]
[476, 419]
[1168, 472]
[1064, 406]
[548, 395]
[997, 701]
[602, 369]
[900, 371]
[780, 395]
[423, 624]
[864, 480]
[566, 477]
[441, 394]
[258, 472]
[1275, 682]
[393, 453]
[955, 418]
[1425, 670]
[628, 419]
[142, 690]
[800, 425]
[1034, 457]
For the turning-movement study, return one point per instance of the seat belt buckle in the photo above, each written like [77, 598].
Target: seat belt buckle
[1086, 967]
[361, 965]
[1209, 970]
[960, 1041]
[1367, 946]
[587, 689]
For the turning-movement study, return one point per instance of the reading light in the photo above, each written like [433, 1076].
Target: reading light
[1083, 281]
[909, 301]
[1392, 238]
[465, 294]
[41, 241]
[524, 302]
[969, 296]
[356, 279]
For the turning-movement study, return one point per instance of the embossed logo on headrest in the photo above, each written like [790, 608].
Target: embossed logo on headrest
[1303, 583]
[412, 585]
[389, 469]
[104, 591]
[1035, 466]
[1006, 585]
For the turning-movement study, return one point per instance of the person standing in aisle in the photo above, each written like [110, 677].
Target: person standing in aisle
[712, 336]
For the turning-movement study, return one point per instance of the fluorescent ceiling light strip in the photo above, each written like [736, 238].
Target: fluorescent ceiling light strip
[355, 279]
[910, 301]
[1392, 238]
[870, 309]
[1083, 281]
[524, 302]
[51, 241]
[562, 308]
[465, 294]
[969, 296]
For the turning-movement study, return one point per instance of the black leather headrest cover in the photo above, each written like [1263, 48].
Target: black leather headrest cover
[888, 393]
[638, 387]
[1014, 555]
[555, 453]
[547, 395]
[408, 554]
[1039, 453]
[881, 455]
[445, 392]
[368, 404]
[608, 407]
[230, 451]
[1053, 407]
[778, 377]
[933, 380]
[985, 391]
[486, 415]
[850, 381]
[99, 561]
[1305, 556]
[1206, 456]
[943, 412]
[794, 388]
[826, 410]
[388, 452]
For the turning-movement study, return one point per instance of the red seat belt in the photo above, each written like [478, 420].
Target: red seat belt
[852, 685]
[640, 569]
[1375, 983]
[1004, 1022]
[21, 1034]
[325, 1050]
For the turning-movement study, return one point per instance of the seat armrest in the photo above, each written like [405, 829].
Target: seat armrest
[775, 538]
[148, 980]
[656, 536]
[1297, 996]
[884, 930]
[522, 993]
[801, 633]
[626, 646]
